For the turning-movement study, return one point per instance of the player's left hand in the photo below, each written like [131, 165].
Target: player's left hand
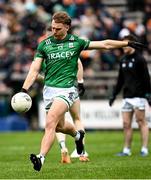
[136, 45]
[148, 97]
[24, 90]
[81, 89]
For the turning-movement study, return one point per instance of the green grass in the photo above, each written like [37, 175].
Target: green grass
[101, 146]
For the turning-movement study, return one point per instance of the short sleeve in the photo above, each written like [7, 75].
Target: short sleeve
[84, 43]
[39, 52]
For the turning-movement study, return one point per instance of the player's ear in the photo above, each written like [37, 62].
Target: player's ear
[67, 27]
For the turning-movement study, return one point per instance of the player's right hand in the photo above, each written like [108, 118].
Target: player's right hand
[136, 45]
[81, 89]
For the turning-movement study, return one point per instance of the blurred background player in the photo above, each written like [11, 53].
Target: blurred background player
[134, 78]
[74, 112]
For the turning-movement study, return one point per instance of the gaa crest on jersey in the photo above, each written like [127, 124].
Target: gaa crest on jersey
[60, 46]
[71, 45]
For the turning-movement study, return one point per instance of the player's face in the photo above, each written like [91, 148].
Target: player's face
[59, 30]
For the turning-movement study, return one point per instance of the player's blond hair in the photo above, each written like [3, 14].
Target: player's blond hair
[62, 17]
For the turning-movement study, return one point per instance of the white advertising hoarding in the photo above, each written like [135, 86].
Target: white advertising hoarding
[97, 115]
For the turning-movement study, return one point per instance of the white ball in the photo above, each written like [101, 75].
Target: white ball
[21, 102]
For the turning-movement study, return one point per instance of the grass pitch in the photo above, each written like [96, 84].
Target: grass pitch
[101, 146]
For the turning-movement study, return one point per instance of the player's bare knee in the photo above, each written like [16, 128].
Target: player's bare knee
[50, 125]
[126, 125]
[52, 116]
[51, 121]
[141, 121]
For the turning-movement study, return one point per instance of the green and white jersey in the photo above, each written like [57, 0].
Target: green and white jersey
[61, 58]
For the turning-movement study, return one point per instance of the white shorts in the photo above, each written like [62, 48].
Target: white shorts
[129, 104]
[68, 95]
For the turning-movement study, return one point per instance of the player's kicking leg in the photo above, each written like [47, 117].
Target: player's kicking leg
[37, 161]
[55, 121]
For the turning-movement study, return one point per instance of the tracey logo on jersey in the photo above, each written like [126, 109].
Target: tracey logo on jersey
[61, 55]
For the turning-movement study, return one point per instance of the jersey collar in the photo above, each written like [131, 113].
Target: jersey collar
[61, 41]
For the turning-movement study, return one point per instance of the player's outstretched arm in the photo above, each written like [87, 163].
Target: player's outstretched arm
[113, 44]
[32, 74]
[107, 44]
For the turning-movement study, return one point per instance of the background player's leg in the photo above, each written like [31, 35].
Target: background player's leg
[65, 158]
[127, 121]
[144, 130]
[75, 114]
